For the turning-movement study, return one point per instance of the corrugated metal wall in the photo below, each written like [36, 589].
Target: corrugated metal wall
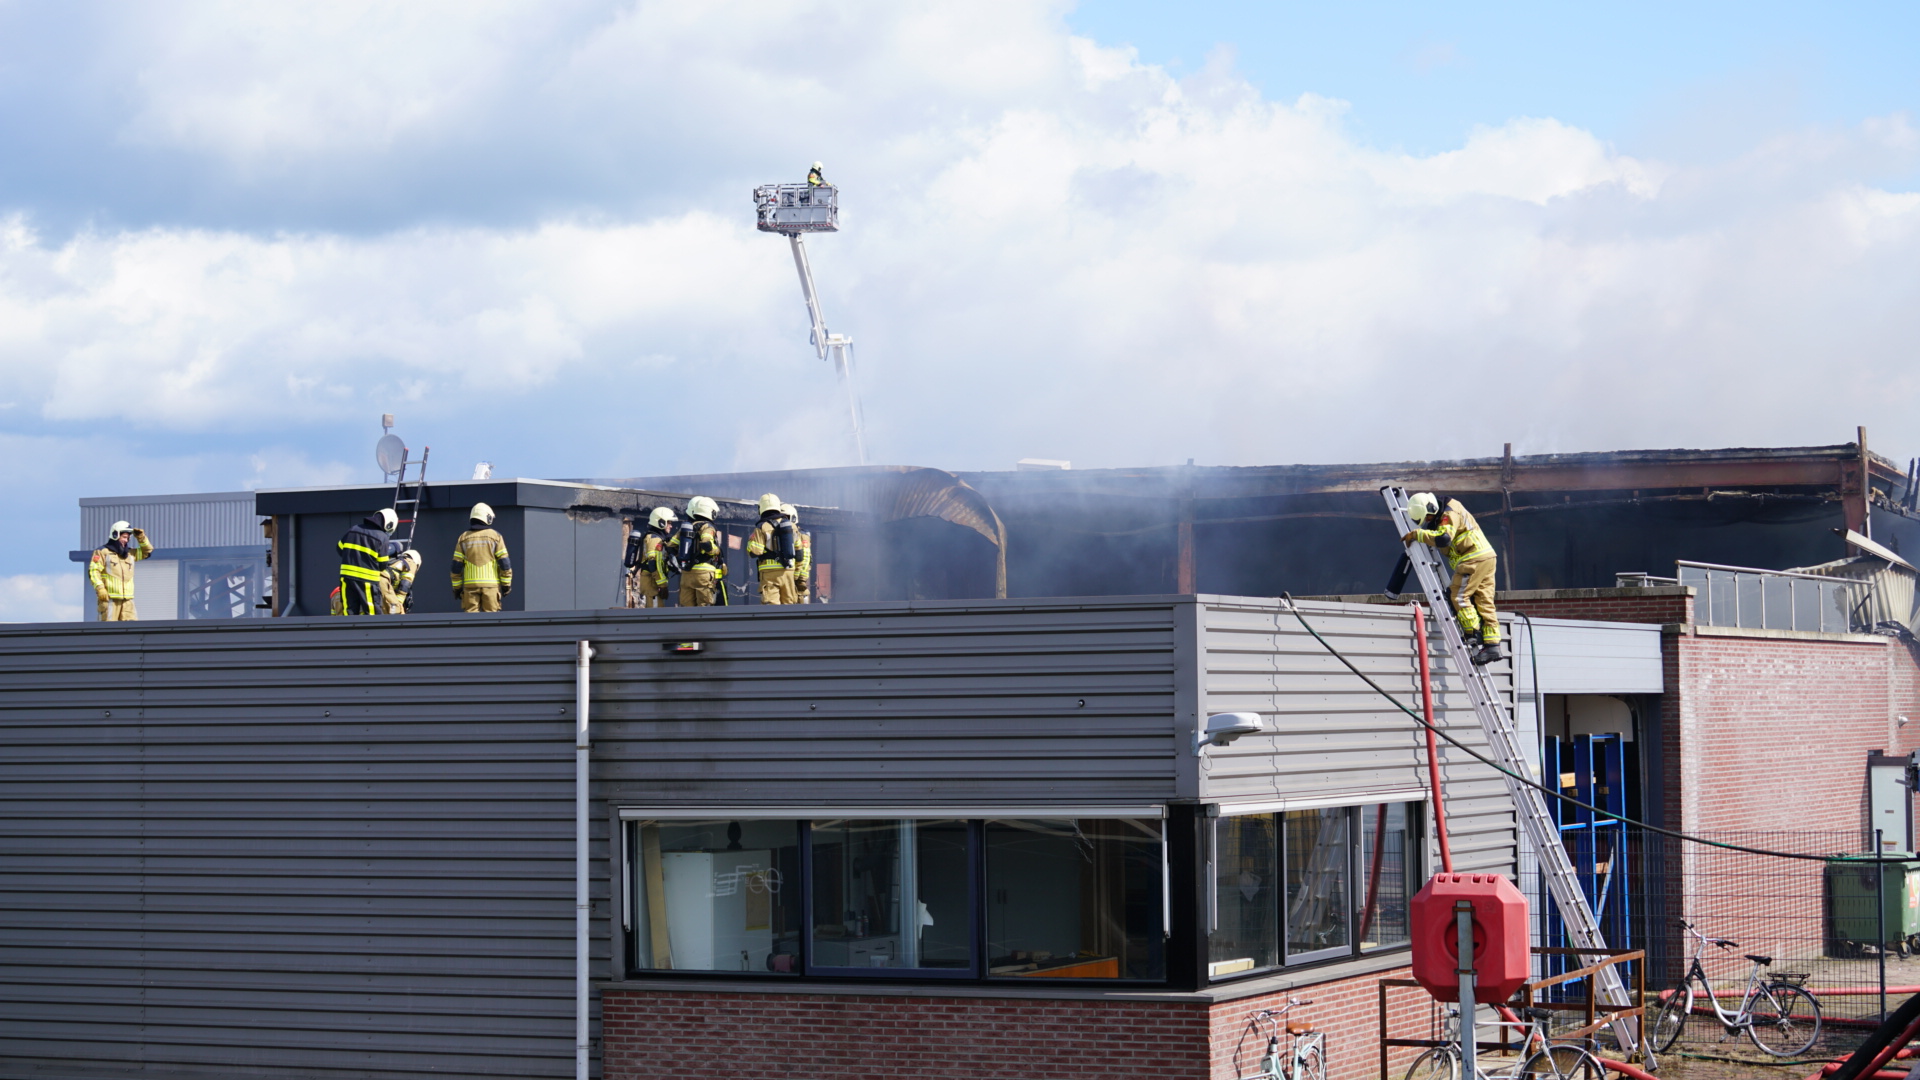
[343, 848]
[222, 519]
[1334, 735]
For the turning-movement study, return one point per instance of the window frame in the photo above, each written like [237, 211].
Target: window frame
[975, 817]
[1354, 805]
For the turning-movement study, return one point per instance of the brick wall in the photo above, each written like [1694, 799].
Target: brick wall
[664, 1034]
[1655, 605]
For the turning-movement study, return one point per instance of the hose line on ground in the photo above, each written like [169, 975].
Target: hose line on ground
[1607, 815]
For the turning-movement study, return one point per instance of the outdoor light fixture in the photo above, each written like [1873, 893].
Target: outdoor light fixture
[1223, 728]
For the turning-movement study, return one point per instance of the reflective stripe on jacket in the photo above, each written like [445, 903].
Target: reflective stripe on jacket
[764, 543]
[709, 547]
[1458, 536]
[363, 553]
[653, 555]
[112, 573]
[480, 560]
[803, 546]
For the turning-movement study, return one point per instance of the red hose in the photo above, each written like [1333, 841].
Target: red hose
[1433, 741]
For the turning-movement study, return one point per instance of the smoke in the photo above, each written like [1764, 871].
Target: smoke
[526, 229]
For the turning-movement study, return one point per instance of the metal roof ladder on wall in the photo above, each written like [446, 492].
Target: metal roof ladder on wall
[406, 506]
[1542, 828]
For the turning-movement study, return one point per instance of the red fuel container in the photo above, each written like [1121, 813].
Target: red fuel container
[1500, 961]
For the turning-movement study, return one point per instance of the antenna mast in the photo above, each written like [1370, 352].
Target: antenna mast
[790, 210]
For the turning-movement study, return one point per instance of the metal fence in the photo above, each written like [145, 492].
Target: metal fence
[1844, 924]
[1771, 599]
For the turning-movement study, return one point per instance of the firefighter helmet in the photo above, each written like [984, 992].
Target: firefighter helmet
[791, 514]
[118, 528]
[663, 518]
[702, 508]
[482, 513]
[1422, 506]
[769, 501]
[389, 520]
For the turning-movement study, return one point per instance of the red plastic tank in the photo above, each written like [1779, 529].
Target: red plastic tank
[1500, 960]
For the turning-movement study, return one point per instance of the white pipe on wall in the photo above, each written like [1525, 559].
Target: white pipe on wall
[583, 657]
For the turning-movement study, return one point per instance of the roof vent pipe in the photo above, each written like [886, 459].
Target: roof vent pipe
[583, 658]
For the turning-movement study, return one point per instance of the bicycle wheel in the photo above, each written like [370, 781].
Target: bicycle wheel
[1786, 1020]
[1669, 1021]
[1565, 1062]
[1439, 1063]
[1310, 1064]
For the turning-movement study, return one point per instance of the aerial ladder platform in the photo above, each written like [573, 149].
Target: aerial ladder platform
[1503, 740]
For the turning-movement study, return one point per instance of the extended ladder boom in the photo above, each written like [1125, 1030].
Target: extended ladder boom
[1504, 742]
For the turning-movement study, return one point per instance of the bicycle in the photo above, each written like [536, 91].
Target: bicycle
[1777, 1013]
[1308, 1057]
[1552, 1061]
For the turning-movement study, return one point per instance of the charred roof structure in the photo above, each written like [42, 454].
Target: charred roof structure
[1559, 520]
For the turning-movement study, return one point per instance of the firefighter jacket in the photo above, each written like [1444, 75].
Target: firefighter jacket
[771, 542]
[111, 568]
[654, 551]
[803, 563]
[363, 552]
[709, 548]
[395, 584]
[480, 560]
[1457, 536]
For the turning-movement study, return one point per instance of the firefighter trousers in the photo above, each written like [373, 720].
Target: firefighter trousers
[700, 587]
[361, 597]
[479, 598]
[1473, 599]
[116, 610]
[776, 586]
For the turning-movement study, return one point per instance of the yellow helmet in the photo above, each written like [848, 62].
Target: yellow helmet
[790, 512]
[769, 501]
[1422, 506]
[482, 513]
[702, 508]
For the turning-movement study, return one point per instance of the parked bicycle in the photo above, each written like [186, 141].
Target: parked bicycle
[1535, 1058]
[1306, 1058]
[1776, 1012]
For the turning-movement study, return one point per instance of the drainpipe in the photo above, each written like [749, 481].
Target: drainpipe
[583, 657]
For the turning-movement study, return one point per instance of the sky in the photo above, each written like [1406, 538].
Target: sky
[1118, 233]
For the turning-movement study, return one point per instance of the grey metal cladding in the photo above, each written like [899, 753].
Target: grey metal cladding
[1330, 733]
[224, 519]
[317, 847]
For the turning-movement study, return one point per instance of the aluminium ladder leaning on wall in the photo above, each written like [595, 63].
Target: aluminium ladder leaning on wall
[1504, 742]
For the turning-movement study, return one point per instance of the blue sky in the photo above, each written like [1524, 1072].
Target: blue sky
[1120, 233]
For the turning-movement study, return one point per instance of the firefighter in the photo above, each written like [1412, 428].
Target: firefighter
[1454, 532]
[111, 571]
[702, 556]
[647, 559]
[396, 584]
[482, 570]
[802, 555]
[816, 176]
[363, 559]
[772, 543]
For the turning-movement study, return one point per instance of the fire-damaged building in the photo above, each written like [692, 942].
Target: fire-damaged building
[964, 815]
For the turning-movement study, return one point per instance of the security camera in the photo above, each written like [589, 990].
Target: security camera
[1223, 728]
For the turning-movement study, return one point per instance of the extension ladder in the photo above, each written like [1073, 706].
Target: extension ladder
[407, 507]
[1542, 828]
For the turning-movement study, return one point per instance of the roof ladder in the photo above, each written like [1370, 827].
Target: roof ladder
[1542, 828]
[406, 506]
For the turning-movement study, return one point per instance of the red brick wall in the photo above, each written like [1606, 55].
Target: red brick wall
[1610, 605]
[672, 1034]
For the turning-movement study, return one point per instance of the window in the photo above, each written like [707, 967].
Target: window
[943, 898]
[892, 894]
[1310, 885]
[717, 896]
[1075, 898]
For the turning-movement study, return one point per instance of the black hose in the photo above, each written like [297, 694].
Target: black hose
[1529, 781]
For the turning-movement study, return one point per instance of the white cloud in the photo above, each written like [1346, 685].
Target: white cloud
[41, 597]
[1047, 245]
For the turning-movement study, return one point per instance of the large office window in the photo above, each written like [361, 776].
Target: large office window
[948, 898]
[1075, 898]
[892, 894]
[1311, 885]
[717, 895]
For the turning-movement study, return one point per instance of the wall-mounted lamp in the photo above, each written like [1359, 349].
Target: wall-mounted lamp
[1223, 728]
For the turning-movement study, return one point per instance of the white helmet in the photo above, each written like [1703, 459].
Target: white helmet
[663, 518]
[482, 513]
[1422, 506]
[118, 528]
[792, 514]
[389, 520]
[769, 501]
[411, 558]
[702, 508]
[817, 165]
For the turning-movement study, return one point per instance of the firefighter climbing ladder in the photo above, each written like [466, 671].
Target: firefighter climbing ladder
[406, 506]
[1542, 828]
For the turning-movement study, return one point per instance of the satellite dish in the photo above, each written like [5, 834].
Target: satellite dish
[390, 452]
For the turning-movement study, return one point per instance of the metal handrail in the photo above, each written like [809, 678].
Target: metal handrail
[1759, 570]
